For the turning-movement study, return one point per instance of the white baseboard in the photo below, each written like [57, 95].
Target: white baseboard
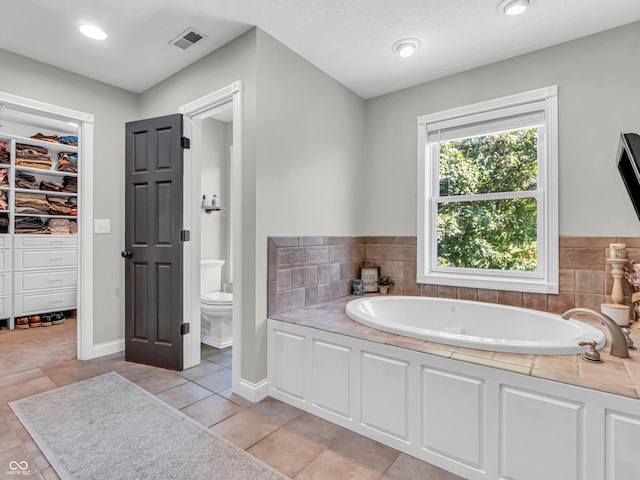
[254, 392]
[107, 348]
[216, 342]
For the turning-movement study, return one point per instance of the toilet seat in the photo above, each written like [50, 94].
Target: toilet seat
[221, 299]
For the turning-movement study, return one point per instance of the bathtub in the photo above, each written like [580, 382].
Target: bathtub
[477, 325]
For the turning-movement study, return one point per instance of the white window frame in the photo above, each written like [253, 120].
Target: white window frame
[509, 112]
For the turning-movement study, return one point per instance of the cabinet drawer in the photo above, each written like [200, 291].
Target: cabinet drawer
[45, 302]
[26, 282]
[5, 306]
[5, 260]
[5, 241]
[5, 283]
[38, 259]
[43, 241]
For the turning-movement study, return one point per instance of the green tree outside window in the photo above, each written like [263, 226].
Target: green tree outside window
[488, 233]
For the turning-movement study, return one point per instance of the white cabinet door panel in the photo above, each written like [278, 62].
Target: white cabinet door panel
[289, 364]
[385, 395]
[622, 459]
[453, 415]
[534, 427]
[331, 377]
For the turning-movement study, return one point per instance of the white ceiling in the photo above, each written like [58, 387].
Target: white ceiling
[349, 39]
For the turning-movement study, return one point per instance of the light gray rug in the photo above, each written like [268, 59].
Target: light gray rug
[107, 427]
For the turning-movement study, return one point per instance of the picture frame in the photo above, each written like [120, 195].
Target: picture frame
[370, 277]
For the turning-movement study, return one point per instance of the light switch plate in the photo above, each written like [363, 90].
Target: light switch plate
[102, 225]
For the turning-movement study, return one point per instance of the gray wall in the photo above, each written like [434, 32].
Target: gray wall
[599, 97]
[309, 161]
[111, 107]
[302, 166]
[214, 179]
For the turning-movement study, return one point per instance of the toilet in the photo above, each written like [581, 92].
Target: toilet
[215, 306]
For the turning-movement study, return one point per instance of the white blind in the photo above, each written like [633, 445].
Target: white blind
[485, 123]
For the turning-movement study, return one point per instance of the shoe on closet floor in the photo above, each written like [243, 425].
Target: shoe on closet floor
[46, 319]
[35, 321]
[22, 322]
[57, 318]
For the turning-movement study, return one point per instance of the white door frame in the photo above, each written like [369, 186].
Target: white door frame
[84, 121]
[197, 110]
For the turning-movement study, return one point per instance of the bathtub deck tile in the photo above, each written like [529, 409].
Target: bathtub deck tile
[440, 352]
[470, 352]
[555, 375]
[609, 385]
[380, 336]
[633, 370]
[515, 358]
[420, 346]
[611, 375]
[566, 365]
[511, 367]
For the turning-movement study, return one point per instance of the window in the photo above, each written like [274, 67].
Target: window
[487, 194]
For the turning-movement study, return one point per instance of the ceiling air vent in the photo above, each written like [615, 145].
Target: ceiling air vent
[187, 38]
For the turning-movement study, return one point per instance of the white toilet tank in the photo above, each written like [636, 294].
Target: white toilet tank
[210, 275]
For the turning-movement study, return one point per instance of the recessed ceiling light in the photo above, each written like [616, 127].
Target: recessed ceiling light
[94, 32]
[514, 7]
[406, 47]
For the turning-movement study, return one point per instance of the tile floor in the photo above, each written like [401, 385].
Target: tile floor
[298, 444]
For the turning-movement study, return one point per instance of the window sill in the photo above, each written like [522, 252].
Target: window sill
[491, 282]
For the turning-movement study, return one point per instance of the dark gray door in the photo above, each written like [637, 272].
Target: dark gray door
[153, 250]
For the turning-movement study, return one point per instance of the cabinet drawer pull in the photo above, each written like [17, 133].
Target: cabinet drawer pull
[55, 280]
[56, 301]
[56, 259]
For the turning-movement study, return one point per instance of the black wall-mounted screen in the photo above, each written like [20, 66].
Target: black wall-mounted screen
[627, 158]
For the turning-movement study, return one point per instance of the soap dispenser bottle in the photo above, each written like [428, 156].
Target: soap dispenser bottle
[215, 202]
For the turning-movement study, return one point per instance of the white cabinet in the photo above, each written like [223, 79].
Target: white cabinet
[476, 421]
[5, 277]
[45, 274]
[38, 221]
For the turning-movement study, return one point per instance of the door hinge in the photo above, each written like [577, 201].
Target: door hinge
[185, 142]
[184, 328]
[185, 235]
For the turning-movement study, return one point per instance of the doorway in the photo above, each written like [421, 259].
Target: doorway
[224, 106]
[20, 110]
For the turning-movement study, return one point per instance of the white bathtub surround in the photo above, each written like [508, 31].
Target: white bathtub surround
[483, 326]
[451, 408]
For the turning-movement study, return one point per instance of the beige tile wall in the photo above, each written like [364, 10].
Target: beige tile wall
[304, 271]
[308, 270]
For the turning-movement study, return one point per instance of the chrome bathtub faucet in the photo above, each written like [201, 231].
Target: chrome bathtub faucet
[618, 341]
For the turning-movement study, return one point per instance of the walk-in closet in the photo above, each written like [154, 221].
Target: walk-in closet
[39, 202]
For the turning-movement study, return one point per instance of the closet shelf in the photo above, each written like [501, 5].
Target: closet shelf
[73, 217]
[54, 193]
[42, 171]
[54, 147]
[210, 208]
